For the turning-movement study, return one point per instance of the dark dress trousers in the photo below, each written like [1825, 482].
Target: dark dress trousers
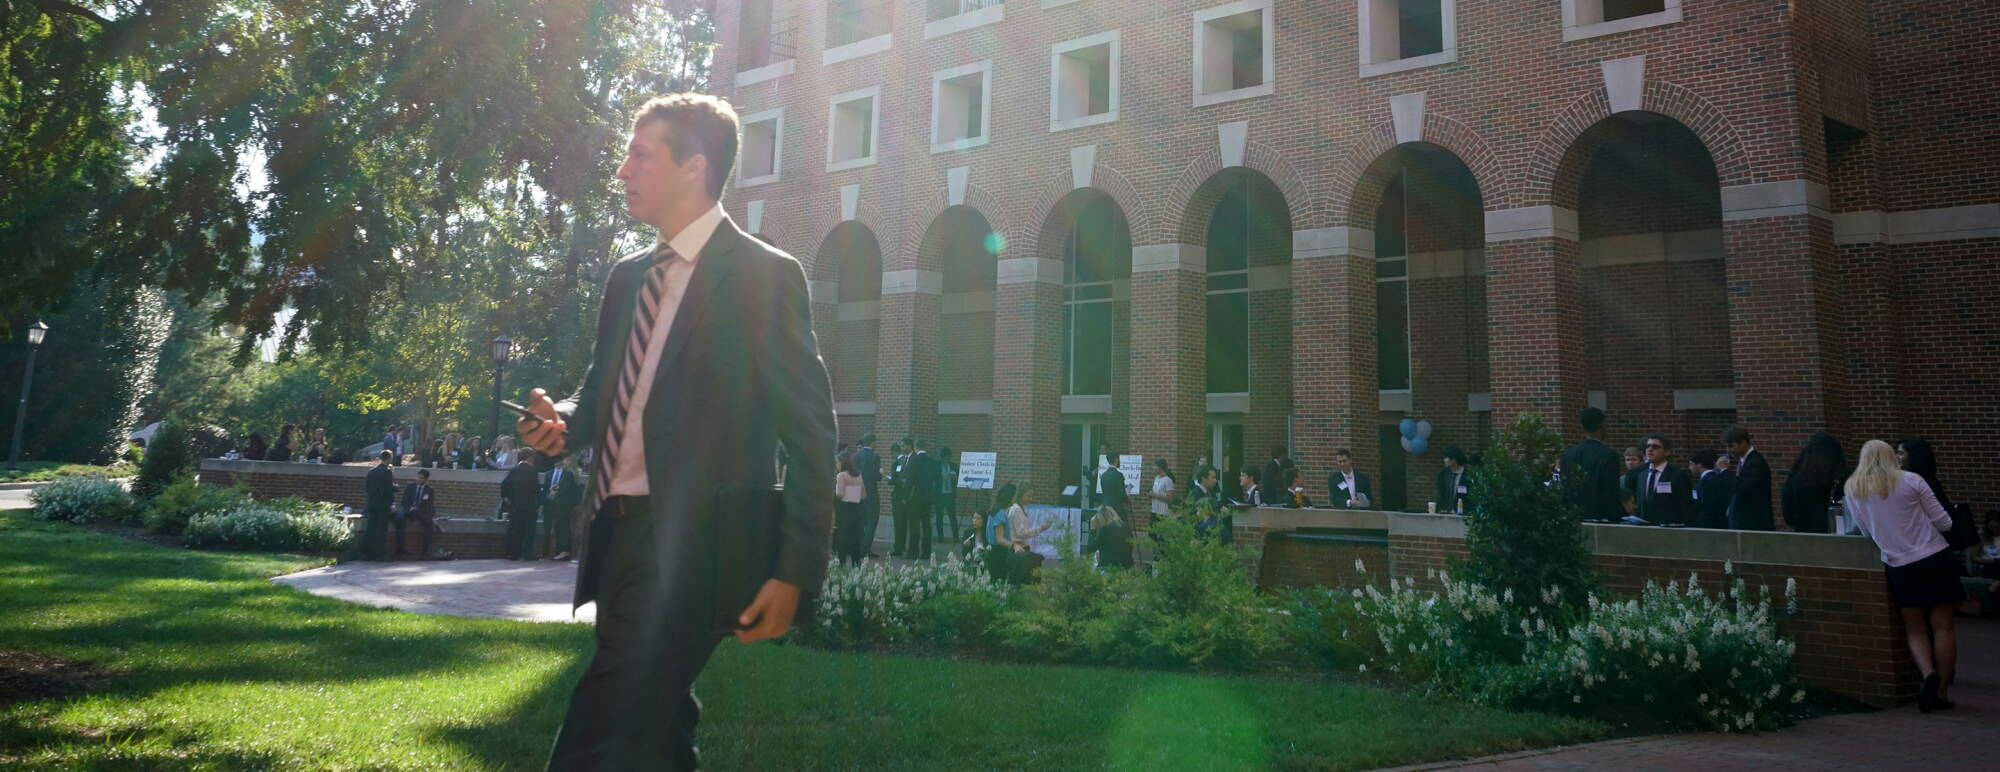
[923, 472]
[381, 488]
[899, 504]
[1711, 504]
[523, 493]
[1675, 506]
[561, 493]
[1591, 475]
[1750, 504]
[1447, 490]
[739, 373]
[419, 508]
[870, 465]
[1337, 498]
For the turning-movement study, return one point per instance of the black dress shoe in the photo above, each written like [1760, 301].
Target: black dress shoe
[1927, 695]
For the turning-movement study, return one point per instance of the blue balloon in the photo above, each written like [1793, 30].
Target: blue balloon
[1409, 427]
[1419, 444]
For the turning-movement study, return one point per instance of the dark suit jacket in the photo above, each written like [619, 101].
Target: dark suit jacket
[381, 487]
[522, 491]
[1337, 498]
[1676, 506]
[1269, 482]
[1447, 493]
[1711, 504]
[566, 491]
[923, 472]
[869, 463]
[419, 500]
[739, 374]
[899, 479]
[1113, 545]
[1591, 475]
[1112, 482]
[1750, 505]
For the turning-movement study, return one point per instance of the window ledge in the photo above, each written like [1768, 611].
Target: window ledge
[1658, 18]
[751, 182]
[1082, 121]
[1047, 4]
[1229, 402]
[770, 71]
[1261, 89]
[856, 49]
[958, 144]
[852, 163]
[965, 21]
[1447, 56]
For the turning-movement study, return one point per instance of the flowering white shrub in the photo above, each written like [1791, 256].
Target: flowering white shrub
[81, 498]
[877, 602]
[1674, 656]
[283, 524]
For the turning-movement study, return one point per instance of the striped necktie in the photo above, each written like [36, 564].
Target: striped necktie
[636, 349]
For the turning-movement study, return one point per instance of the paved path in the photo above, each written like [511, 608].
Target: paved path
[536, 591]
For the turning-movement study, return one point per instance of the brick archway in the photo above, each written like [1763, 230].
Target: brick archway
[822, 225]
[910, 253]
[1192, 200]
[1364, 175]
[1565, 149]
[1104, 180]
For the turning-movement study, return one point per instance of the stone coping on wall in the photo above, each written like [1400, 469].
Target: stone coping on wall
[1784, 548]
[349, 470]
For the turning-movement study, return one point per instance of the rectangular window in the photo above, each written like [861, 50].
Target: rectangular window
[1584, 19]
[1232, 52]
[852, 124]
[762, 142]
[1083, 81]
[1229, 334]
[1398, 35]
[753, 35]
[852, 21]
[959, 101]
[1086, 345]
[1626, 9]
[1392, 325]
[1419, 28]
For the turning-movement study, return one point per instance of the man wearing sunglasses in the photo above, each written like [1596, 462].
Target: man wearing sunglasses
[1663, 491]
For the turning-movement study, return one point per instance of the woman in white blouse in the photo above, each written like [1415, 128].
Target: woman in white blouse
[1898, 510]
[847, 491]
[1163, 489]
[503, 452]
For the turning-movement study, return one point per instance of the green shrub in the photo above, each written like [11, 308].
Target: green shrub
[1520, 532]
[82, 499]
[170, 511]
[287, 524]
[875, 602]
[167, 455]
[957, 619]
[1199, 608]
[1074, 613]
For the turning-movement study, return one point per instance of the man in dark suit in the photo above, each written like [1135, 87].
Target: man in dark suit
[704, 363]
[1664, 492]
[523, 491]
[381, 490]
[1111, 484]
[1454, 489]
[1591, 472]
[1712, 489]
[923, 471]
[561, 492]
[1750, 503]
[869, 463]
[1271, 481]
[1348, 487]
[899, 496]
[418, 507]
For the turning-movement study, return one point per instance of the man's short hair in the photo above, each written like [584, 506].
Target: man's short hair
[387, 455]
[1343, 452]
[1705, 457]
[1252, 474]
[1735, 434]
[702, 124]
[1591, 418]
[1664, 444]
[1455, 454]
[424, 473]
[1277, 451]
[867, 439]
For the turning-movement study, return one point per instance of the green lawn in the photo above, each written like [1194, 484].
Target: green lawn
[212, 667]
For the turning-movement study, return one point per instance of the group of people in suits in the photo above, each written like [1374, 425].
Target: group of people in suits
[1727, 488]
[528, 498]
[922, 498]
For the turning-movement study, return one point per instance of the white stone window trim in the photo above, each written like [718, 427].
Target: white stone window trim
[984, 68]
[873, 93]
[1047, 4]
[856, 49]
[772, 71]
[1448, 13]
[1056, 51]
[1574, 29]
[777, 146]
[973, 19]
[1201, 19]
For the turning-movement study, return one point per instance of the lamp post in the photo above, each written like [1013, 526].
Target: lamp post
[503, 349]
[36, 332]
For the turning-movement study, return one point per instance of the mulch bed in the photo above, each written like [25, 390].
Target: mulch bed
[25, 675]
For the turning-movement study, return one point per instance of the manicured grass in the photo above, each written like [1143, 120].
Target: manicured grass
[211, 666]
[45, 471]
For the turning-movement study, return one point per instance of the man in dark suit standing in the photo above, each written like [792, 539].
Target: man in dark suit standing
[419, 507]
[560, 494]
[1111, 484]
[1348, 487]
[704, 363]
[1591, 472]
[1664, 492]
[1453, 488]
[923, 472]
[1271, 482]
[870, 465]
[899, 496]
[381, 490]
[1712, 489]
[1750, 504]
[523, 492]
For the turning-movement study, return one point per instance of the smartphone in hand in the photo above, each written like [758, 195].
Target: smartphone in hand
[519, 409]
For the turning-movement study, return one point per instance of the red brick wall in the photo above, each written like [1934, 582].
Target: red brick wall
[479, 496]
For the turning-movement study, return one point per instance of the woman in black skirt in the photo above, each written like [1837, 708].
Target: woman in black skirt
[1897, 509]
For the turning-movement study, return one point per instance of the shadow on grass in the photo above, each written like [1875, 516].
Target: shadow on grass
[28, 743]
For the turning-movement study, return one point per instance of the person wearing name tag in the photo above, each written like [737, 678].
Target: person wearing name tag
[1661, 492]
[1713, 486]
[1348, 487]
[1453, 485]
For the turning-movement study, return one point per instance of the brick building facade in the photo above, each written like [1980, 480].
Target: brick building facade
[1190, 226]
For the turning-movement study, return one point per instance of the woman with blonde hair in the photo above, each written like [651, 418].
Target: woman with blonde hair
[1897, 509]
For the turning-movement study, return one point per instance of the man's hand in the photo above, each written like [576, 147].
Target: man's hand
[546, 435]
[777, 602]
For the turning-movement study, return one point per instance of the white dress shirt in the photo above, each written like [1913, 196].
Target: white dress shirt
[629, 479]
